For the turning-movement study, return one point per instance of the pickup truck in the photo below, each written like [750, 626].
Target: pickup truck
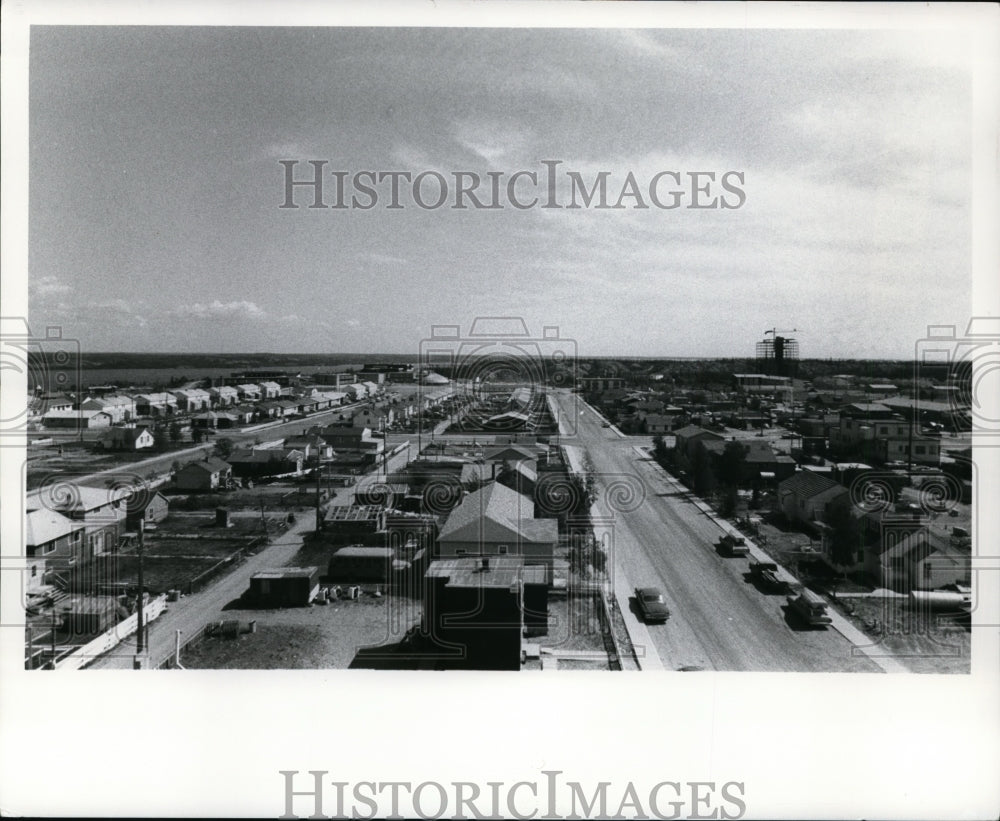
[768, 575]
[810, 608]
[730, 545]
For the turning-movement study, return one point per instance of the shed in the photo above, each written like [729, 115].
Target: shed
[283, 587]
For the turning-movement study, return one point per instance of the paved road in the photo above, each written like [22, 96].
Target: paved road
[719, 621]
[193, 612]
[162, 463]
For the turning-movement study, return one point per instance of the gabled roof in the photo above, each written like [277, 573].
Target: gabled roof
[209, 465]
[75, 414]
[510, 452]
[492, 513]
[690, 431]
[264, 457]
[43, 526]
[140, 501]
[806, 484]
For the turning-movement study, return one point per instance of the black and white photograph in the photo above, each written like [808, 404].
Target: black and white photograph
[365, 375]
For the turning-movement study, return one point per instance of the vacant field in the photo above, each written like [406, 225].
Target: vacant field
[316, 637]
[923, 642]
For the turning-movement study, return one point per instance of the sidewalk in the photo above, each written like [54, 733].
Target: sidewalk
[645, 652]
[862, 644]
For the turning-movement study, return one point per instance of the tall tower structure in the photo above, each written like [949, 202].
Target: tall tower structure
[777, 354]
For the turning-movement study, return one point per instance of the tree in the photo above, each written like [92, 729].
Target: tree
[845, 535]
[702, 474]
[659, 448]
[174, 432]
[197, 435]
[731, 464]
[224, 447]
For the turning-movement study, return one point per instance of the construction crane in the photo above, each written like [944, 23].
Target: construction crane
[776, 331]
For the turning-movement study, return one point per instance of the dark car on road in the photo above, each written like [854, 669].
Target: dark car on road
[652, 604]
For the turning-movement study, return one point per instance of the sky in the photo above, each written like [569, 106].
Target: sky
[155, 187]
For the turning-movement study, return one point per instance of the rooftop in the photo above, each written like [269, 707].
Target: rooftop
[504, 571]
[807, 483]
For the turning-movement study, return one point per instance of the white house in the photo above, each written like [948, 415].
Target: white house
[193, 399]
[119, 407]
[224, 395]
[269, 390]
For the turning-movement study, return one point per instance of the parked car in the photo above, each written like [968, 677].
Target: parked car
[652, 605]
[731, 545]
[768, 575]
[809, 607]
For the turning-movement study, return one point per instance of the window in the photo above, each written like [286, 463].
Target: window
[883, 429]
[461, 551]
[928, 569]
[920, 449]
[502, 549]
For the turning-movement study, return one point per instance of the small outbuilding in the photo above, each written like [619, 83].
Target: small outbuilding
[283, 587]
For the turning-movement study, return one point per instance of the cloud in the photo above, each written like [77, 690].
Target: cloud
[222, 310]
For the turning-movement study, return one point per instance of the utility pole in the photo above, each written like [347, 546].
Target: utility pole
[319, 472]
[139, 638]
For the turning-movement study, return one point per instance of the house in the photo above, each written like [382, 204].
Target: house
[53, 542]
[127, 438]
[761, 462]
[313, 446]
[283, 587]
[307, 404]
[261, 464]
[373, 418]
[807, 496]
[101, 510]
[352, 440]
[224, 396]
[211, 420]
[248, 392]
[146, 508]
[207, 474]
[329, 399]
[476, 611]
[50, 402]
[120, 408]
[881, 390]
[686, 437]
[498, 521]
[77, 419]
[659, 423]
[243, 414]
[353, 524]
[521, 477]
[191, 400]
[510, 453]
[269, 390]
[269, 410]
[919, 560]
[156, 404]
